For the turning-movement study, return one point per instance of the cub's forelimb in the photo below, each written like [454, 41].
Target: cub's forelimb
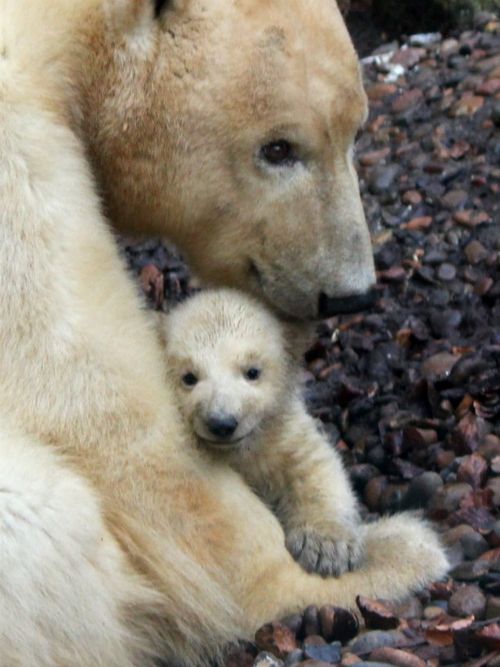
[302, 477]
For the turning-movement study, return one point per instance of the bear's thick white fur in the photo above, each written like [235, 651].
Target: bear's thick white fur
[216, 337]
[118, 542]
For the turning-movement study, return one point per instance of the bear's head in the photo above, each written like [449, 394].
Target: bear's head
[228, 127]
[229, 366]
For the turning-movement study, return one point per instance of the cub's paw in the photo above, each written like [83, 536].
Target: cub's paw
[326, 554]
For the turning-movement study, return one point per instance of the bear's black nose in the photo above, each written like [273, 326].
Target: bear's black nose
[222, 426]
[352, 303]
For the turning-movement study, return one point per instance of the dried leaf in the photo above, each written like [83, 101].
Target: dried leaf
[376, 615]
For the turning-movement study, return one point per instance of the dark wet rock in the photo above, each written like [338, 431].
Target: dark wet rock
[474, 545]
[328, 653]
[422, 490]
[445, 322]
[311, 624]
[468, 600]
[446, 272]
[382, 177]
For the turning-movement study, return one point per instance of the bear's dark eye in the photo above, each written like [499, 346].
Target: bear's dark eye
[160, 6]
[189, 379]
[278, 153]
[253, 374]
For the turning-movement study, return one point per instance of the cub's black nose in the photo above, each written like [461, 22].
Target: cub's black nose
[222, 427]
[329, 306]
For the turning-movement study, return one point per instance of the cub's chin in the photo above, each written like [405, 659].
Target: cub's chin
[235, 444]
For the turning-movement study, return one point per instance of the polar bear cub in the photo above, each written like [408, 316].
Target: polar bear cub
[236, 381]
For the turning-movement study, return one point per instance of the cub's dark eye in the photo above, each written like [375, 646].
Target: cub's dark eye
[253, 374]
[278, 153]
[160, 6]
[189, 379]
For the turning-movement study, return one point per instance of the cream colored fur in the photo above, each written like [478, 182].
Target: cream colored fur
[117, 540]
[217, 336]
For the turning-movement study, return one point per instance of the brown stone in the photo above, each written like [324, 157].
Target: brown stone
[468, 601]
[374, 157]
[475, 252]
[489, 87]
[454, 199]
[420, 223]
[380, 90]
[407, 100]
[411, 198]
[276, 638]
[439, 365]
[467, 105]
[408, 57]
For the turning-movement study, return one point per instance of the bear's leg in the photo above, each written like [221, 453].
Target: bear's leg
[302, 476]
[402, 554]
[65, 592]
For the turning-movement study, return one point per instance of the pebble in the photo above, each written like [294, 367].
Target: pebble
[467, 106]
[495, 113]
[454, 199]
[411, 198]
[468, 600]
[327, 653]
[438, 366]
[275, 638]
[407, 100]
[374, 157]
[382, 177]
[432, 611]
[379, 91]
[475, 252]
[370, 641]
[396, 657]
[447, 499]
[267, 660]
[494, 486]
[447, 272]
[421, 490]
[445, 322]
[474, 545]
[492, 606]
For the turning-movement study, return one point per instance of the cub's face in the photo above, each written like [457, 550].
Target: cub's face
[226, 359]
[229, 127]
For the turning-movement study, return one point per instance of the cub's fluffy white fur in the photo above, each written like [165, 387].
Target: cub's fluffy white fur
[230, 362]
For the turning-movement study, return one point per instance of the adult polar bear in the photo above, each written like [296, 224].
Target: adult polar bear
[227, 126]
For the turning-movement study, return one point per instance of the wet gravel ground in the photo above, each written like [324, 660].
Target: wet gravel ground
[410, 391]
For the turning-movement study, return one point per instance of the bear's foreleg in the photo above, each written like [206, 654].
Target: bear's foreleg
[299, 473]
